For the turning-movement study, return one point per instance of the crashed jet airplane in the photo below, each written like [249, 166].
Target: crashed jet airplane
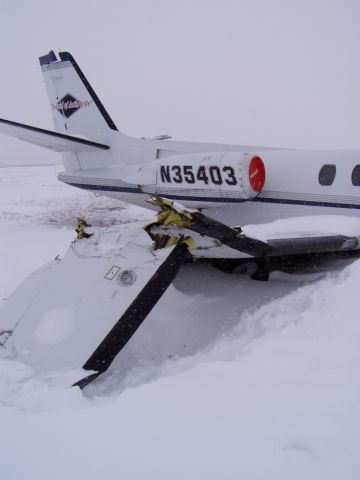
[80, 311]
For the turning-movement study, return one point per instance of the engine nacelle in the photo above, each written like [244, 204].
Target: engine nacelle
[215, 177]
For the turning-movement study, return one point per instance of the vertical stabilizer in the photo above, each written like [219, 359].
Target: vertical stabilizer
[76, 108]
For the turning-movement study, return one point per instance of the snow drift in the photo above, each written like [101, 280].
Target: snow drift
[227, 378]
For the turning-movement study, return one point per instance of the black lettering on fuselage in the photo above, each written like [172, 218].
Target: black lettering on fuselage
[165, 173]
[201, 174]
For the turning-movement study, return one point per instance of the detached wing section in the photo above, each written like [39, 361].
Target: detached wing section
[55, 141]
[82, 310]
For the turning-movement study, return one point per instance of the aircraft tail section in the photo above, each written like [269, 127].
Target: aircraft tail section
[76, 109]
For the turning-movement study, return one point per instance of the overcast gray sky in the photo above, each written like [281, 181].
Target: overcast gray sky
[263, 72]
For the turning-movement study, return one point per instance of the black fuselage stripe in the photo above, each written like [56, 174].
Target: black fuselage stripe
[311, 203]
[105, 188]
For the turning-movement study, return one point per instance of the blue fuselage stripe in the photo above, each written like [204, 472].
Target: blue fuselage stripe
[106, 188]
[310, 203]
[110, 188]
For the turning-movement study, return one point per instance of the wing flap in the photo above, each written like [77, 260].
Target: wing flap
[55, 141]
[312, 245]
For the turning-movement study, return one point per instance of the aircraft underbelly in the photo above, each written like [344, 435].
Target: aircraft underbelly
[245, 213]
[260, 212]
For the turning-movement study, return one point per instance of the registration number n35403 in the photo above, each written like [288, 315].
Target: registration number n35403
[209, 174]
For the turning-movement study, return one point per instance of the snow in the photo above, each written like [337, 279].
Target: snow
[227, 378]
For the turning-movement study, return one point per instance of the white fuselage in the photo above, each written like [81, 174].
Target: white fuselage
[293, 183]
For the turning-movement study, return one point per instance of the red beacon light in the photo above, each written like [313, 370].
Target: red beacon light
[256, 174]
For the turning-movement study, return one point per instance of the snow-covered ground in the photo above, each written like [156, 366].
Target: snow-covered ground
[227, 378]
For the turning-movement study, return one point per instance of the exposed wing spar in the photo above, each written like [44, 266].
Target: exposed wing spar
[234, 238]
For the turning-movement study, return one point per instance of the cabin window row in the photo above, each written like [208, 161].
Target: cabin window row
[328, 172]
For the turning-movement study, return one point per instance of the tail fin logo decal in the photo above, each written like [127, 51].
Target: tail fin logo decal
[69, 105]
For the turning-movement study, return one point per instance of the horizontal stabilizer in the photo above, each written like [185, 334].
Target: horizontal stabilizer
[55, 141]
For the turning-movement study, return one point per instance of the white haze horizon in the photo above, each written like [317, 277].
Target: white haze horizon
[277, 73]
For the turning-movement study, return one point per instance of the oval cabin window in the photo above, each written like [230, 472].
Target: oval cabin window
[327, 174]
[355, 176]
